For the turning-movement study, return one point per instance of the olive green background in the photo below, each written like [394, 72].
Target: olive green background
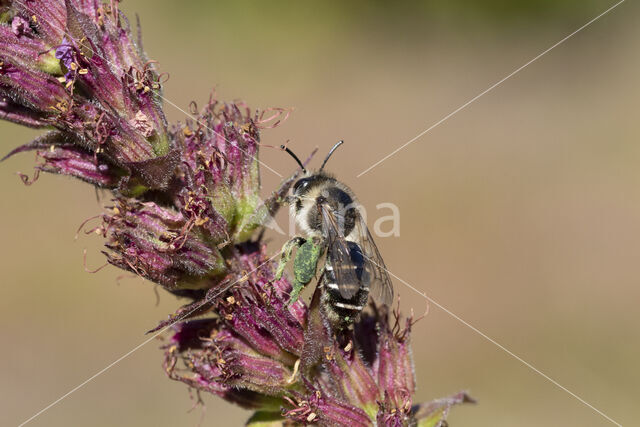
[520, 214]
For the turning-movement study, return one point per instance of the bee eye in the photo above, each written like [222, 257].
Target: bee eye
[301, 185]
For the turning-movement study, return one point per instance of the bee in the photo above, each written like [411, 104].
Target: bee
[329, 216]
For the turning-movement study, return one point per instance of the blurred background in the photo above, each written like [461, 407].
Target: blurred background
[521, 213]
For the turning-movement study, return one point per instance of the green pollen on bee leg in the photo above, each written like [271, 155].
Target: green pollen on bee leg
[295, 292]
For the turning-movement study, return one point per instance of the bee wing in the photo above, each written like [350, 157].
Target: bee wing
[341, 257]
[381, 287]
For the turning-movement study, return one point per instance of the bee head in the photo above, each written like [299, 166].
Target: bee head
[304, 185]
[310, 191]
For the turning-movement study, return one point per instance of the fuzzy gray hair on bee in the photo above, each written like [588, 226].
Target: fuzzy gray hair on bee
[328, 214]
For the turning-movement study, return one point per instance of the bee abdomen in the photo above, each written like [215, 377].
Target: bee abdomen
[343, 310]
[331, 273]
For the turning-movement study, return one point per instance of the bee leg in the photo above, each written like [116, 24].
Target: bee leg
[295, 292]
[304, 267]
[287, 250]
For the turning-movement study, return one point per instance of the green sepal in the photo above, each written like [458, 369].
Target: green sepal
[265, 419]
[433, 420]
[48, 63]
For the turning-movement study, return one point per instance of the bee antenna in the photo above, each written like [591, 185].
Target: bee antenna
[294, 157]
[339, 143]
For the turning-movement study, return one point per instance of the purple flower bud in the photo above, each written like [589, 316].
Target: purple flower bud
[60, 156]
[16, 113]
[220, 165]
[29, 88]
[207, 363]
[74, 161]
[158, 244]
[394, 367]
[226, 358]
[74, 66]
[319, 408]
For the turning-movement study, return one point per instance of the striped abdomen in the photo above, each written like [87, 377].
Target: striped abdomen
[342, 310]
